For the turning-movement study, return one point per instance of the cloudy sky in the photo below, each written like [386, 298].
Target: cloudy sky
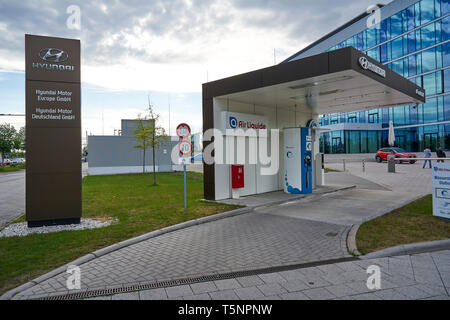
[163, 49]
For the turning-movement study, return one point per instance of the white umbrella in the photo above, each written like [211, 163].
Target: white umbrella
[391, 137]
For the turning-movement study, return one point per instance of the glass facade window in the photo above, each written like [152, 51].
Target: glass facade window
[415, 43]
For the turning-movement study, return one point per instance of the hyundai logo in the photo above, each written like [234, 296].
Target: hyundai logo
[233, 122]
[367, 65]
[53, 55]
[364, 62]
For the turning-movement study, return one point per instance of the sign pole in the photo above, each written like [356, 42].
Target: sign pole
[185, 196]
[185, 148]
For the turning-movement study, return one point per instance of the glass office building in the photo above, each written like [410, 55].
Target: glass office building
[412, 39]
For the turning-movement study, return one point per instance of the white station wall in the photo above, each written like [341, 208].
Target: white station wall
[255, 183]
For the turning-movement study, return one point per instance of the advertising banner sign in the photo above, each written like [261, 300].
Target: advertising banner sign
[53, 130]
[441, 189]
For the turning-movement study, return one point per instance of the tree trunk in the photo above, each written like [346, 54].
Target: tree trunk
[143, 162]
[153, 152]
[154, 167]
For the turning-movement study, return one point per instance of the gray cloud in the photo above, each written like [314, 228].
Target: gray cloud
[306, 20]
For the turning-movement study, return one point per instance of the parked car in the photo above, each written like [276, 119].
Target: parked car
[383, 153]
[17, 161]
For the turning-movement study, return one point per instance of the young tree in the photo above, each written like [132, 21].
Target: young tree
[7, 137]
[149, 134]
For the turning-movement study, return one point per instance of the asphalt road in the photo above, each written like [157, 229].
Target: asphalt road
[12, 196]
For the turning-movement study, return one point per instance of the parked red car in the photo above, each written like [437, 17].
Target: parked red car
[383, 153]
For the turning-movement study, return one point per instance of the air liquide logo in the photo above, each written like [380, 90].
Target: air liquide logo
[367, 65]
[53, 57]
[233, 122]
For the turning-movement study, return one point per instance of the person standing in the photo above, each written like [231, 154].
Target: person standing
[440, 153]
[427, 154]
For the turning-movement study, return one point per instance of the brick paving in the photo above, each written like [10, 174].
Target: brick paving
[411, 277]
[246, 242]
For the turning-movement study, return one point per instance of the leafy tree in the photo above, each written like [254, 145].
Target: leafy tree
[149, 134]
[19, 139]
[7, 138]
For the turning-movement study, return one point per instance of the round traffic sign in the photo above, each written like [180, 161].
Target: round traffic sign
[185, 147]
[183, 130]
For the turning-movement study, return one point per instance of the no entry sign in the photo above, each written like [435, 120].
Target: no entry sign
[183, 130]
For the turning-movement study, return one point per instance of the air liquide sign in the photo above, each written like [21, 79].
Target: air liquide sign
[53, 130]
[367, 65]
[243, 121]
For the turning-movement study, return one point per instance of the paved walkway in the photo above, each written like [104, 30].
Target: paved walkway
[311, 229]
[410, 277]
[245, 242]
[12, 200]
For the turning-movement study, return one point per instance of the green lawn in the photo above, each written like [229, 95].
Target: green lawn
[412, 223]
[12, 168]
[139, 207]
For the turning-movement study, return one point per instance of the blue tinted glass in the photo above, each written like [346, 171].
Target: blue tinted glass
[410, 17]
[417, 14]
[445, 27]
[439, 57]
[428, 60]
[447, 80]
[404, 21]
[397, 66]
[428, 36]
[411, 65]
[383, 35]
[419, 81]
[383, 50]
[420, 113]
[397, 48]
[419, 63]
[429, 83]
[440, 102]
[427, 10]
[437, 26]
[445, 6]
[430, 111]
[447, 107]
[413, 115]
[411, 42]
[437, 8]
[371, 37]
[418, 42]
[438, 81]
[396, 24]
[446, 54]
[359, 41]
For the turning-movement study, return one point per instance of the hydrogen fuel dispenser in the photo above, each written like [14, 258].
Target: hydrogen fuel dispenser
[297, 160]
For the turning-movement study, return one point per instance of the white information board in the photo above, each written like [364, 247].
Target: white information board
[441, 189]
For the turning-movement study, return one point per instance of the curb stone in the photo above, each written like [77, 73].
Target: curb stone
[408, 249]
[351, 240]
[98, 253]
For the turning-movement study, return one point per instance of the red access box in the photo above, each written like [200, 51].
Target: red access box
[237, 176]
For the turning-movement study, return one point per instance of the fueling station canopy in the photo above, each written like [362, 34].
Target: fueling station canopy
[344, 80]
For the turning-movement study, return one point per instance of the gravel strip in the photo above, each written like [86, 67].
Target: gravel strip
[21, 229]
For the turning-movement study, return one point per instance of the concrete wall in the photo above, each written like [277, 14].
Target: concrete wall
[117, 154]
